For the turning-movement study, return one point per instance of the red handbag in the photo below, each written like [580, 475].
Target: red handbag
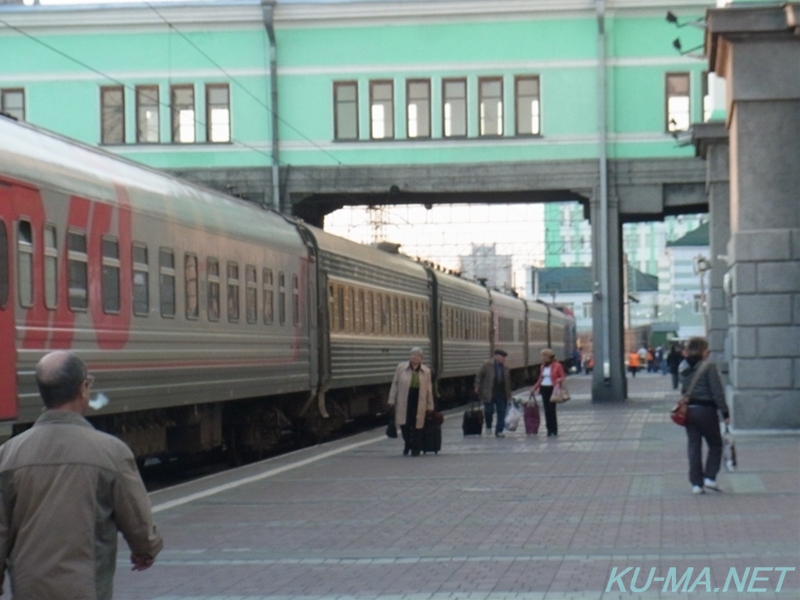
[680, 414]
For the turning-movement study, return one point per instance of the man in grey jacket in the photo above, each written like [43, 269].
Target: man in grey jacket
[65, 491]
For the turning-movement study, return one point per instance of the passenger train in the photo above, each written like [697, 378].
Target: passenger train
[210, 322]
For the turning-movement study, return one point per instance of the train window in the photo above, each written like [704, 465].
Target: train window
[403, 322]
[369, 300]
[166, 271]
[339, 306]
[233, 292]
[110, 275]
[386, 314]
[50, 267]
[281, 298]
[192, 288]
[361, 317]
[251, 294]
[295, 300]
[141, 280]
[269, 295]
[350, 313]
[395, 312]
[77, 271]
[212, 274]
[3, 265]
[25, 263]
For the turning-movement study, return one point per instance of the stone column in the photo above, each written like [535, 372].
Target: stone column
[711, 143]
[757, 52]
[610, 386]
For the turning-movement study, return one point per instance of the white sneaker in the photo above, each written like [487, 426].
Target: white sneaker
[501, 434]
[696, 489]
[711, 484]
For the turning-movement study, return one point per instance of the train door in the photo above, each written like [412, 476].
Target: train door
[8, 336]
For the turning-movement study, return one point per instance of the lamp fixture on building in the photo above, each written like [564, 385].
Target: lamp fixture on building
[672, 18]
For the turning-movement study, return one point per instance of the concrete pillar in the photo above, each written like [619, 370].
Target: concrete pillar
[608, 377]
[757, 52]
[711, 142]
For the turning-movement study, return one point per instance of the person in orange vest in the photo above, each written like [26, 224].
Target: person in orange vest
[633, 363]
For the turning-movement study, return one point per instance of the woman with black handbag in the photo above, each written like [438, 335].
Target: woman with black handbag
[411, 396]
[551, 374]
[706, 400]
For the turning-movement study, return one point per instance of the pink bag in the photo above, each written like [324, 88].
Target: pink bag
[532, 418]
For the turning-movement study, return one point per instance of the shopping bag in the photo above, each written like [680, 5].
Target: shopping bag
[728, 447]
[513, 415]
[391, 429]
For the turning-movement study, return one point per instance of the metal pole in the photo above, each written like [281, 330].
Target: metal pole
[603, 191]
[268, 11]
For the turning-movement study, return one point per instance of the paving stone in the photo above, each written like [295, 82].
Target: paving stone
[522, 518]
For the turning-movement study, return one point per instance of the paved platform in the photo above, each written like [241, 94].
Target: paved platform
[527, 518]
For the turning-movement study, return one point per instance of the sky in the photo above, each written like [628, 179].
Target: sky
[446, 232]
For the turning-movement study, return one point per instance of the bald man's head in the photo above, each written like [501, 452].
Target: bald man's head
[59, 377]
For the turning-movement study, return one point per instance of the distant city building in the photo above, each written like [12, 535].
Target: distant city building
[572, 287]
[485, 264]
[568, 238]
[687, 283]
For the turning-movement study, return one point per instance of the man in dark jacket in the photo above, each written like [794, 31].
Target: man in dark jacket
[674, 359]
[493, 386]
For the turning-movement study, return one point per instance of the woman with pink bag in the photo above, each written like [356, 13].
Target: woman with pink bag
[551, 375]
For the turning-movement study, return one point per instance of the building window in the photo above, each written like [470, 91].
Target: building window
[141, 281]
[269, 294]
[233, 292]
[110, 276]
[418, 108]
[212, 273]
[147, 114]
[381, 110]
[50, 267]
[166, 264]
[25, 263]
[77, 271]
[12, 103]
[218, 113]
[251, 294]
[4, 285]
[587, 310]
[345, 109]
[191, 283]
[490, 98]
[707, 108]
[678, 105]
[112, 115]
[454, 107]
[526, 92]
[182, 107]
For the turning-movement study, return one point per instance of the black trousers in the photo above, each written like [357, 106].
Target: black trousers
[703, 423]
[411, 435]
[549, 410]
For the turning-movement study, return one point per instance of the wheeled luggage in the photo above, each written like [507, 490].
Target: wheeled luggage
[432, 435]
[532, 418]
[473, 421]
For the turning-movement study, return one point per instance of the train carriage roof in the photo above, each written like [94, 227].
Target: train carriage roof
[50, 161]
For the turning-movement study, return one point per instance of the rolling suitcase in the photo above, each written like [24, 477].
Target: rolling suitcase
[532, 418]
[473, 421]
[432, 434]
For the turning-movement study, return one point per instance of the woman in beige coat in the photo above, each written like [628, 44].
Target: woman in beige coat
[412, 397]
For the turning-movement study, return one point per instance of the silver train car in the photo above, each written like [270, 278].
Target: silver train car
[212, 323]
